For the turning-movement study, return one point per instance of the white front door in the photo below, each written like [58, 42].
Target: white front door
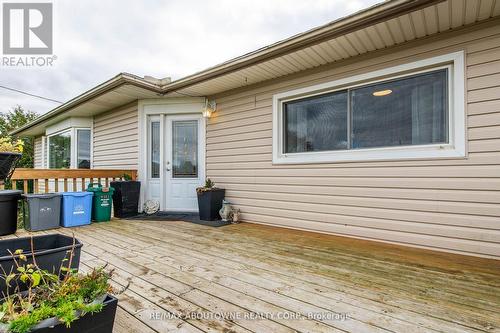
[184, 161]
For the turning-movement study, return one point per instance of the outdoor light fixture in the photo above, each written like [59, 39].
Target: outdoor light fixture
[382, 92]
[209, 109]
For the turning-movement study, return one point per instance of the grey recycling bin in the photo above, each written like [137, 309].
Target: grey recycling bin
[44, 211]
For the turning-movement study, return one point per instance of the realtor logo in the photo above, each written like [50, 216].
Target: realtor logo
[27, 28]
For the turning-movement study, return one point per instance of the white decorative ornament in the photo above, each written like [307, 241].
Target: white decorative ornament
[225, 211]
[151, 207]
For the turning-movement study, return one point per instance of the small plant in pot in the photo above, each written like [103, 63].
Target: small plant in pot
[77, 303]
[210, 200]
[10, 153]
[126, 197]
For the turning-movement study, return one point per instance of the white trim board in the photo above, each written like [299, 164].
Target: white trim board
[456, 148]
[81, 122]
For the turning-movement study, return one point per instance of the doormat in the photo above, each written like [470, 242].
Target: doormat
[177, 216]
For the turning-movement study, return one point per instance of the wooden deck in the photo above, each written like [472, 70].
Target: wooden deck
[183, 277]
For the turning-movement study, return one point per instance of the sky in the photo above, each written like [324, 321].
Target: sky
[96, 39]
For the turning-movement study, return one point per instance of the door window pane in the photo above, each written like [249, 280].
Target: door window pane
[155, 149]
[83, 148]
[185, 149]
[60, 151]
[316, 123]
[402, 112]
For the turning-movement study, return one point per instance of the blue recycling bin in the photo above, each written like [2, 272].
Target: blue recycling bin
[76, 208]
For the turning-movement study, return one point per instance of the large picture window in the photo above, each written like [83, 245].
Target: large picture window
[408, 111]
[410, 115]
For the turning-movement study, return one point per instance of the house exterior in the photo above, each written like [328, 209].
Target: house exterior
[384, 125]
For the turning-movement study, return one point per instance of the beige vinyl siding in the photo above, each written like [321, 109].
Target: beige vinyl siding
[451, 205]
[116, 142]
[40, 158]
[38, 152]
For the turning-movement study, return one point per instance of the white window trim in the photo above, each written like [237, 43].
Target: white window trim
[456, 148]
[73, 144]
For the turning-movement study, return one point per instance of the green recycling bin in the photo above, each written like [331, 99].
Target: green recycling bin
[101, 202]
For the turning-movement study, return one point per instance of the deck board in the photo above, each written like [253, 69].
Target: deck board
[179, 268]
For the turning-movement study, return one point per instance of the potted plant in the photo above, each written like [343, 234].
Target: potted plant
[49, 252]
[10, 153]
[210, 200]
[126, 197]
[77, 303]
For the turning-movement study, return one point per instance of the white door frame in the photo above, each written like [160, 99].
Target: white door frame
[162, 108]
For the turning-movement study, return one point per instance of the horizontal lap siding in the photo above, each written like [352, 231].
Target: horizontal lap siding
[451, 205]
[37, 153]
[116, 141]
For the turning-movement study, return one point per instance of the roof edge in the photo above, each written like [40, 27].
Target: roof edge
[371, 15]
[118, 80]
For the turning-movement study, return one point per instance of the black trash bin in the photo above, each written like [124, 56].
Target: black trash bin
[8, 209]
[126, 198]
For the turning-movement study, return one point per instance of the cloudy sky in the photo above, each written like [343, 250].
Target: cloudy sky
[96, 39]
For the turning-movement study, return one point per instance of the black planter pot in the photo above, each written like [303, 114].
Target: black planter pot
[50, 250]
[209, 204]
[8, 208]
[8, 164]
[100, 322]
[126, 198]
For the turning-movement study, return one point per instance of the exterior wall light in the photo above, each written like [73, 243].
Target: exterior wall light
[210, 108]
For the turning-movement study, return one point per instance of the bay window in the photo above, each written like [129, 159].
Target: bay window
[408, 111]
[70, 148]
